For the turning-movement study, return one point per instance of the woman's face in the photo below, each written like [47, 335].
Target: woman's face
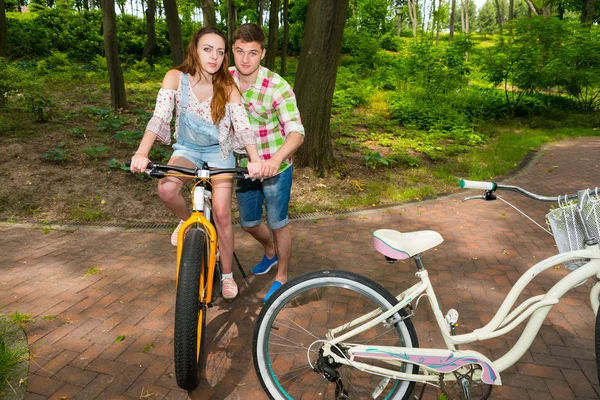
[211, 51]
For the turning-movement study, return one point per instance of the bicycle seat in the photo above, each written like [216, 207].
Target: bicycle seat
[400, 246]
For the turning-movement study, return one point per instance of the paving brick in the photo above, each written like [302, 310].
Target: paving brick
[67, 391]
[579, 384]
[76, 376]
[107, 367]
[125, 379]
[43, 385]
[95, 388]
[57, 363]
[560, 389]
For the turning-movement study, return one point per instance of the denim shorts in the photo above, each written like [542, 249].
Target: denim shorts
[203, 154]
[273, 192]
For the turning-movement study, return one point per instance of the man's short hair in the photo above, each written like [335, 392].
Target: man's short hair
[250, 33]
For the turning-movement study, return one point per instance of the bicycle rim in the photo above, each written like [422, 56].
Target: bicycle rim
[301, 314]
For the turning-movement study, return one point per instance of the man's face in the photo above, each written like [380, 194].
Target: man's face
[247, 56]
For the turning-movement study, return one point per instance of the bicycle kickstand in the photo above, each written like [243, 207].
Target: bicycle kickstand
[239, 265]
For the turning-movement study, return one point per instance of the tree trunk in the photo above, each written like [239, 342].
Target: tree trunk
[462, 16]
[532, 8]
[231, 25]
[286, 33]
[3, 29]
[466, 27]
[273, 31]
[151, 29]
[315, 80]
[587, 12]
[118, 97]
[511, 9]
[209, 17]
[261, 10]
[432, 17]
[499, 15]
[414, 18]
[452, 16]
[174, 30]
[439, 23]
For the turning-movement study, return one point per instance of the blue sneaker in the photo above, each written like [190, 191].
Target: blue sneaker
[264, 265]
[274, 287]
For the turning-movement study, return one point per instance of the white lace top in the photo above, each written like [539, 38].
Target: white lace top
[234, 128]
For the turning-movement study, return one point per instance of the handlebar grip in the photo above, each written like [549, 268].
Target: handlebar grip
[464, 184]
[127, 163]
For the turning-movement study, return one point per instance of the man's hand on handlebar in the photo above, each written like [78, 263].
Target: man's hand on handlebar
[254, 169]
[139, 163]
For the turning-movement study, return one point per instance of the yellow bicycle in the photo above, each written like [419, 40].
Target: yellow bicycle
[198, 268]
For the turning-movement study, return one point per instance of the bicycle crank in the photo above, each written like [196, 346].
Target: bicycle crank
[462, 386]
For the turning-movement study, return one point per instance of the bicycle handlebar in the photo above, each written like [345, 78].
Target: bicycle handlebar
[491, 187]
[159, 170]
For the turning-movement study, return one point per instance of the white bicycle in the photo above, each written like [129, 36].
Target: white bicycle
[339, 335]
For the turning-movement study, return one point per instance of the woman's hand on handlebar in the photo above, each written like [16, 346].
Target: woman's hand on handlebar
[139, 162]
[254, 169]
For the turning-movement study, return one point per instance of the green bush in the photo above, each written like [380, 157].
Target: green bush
[10, 81]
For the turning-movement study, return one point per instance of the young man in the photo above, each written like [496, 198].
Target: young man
[275, 120]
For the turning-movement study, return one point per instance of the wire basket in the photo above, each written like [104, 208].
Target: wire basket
[567, 230]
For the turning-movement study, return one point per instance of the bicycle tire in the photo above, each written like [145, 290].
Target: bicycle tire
[598, 343]
[290, 322]
[190, 318]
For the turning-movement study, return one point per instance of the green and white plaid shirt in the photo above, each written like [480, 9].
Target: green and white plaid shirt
[272, 112]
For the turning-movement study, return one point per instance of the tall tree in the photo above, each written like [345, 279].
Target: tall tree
[587, 11]
[452, 17]
[118, 98]
[261, 10]
[3, 29]
[315, 80]
[273, 30]
[231, 25]
[209, 17]
[174, 30]
[499, 15]
[286, 33]
[151, 29]
[414, 17]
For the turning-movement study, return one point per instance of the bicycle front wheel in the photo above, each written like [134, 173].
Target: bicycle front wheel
[293, 324]
[190, 318]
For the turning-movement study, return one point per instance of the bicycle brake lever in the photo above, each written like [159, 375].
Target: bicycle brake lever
[489, 195]
[481, 197]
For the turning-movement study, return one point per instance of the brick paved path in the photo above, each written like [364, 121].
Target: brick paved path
[487, 247]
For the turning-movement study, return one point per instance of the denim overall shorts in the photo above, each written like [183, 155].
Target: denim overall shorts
[198, 140]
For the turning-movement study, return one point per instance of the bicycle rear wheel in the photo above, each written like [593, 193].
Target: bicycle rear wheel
[299, 315]
[190, 318]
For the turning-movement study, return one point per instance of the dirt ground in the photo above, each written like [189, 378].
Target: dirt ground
[88, 190]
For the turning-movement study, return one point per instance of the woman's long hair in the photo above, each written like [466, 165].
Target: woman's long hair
[223, 82]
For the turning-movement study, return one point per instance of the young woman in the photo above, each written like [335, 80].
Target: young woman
[211, 122]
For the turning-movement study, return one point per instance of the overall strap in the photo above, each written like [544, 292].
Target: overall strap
[184, 91]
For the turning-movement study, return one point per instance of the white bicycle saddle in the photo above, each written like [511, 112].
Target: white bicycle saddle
[400, 246]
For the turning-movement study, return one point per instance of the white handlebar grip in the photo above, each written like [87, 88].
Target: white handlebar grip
[464, 184]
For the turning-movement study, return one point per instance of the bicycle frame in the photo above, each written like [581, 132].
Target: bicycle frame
[537, 308]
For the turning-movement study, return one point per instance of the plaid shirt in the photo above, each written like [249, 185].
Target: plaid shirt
[272, 112]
